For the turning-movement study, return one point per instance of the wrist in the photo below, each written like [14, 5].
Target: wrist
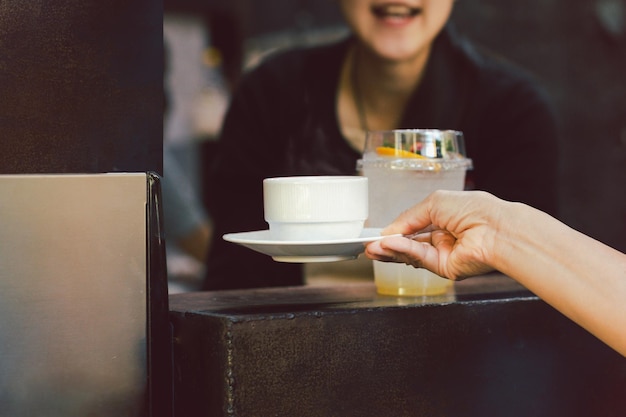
[510, 228]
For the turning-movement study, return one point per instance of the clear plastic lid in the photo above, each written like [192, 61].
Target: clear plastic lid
[415, 149]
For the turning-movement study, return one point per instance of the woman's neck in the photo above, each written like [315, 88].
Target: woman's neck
[374, 92]
[383, 86]
[386, 77]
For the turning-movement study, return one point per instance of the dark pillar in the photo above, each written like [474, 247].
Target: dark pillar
[82, 86]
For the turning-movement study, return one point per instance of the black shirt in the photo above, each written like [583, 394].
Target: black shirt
[283, 121]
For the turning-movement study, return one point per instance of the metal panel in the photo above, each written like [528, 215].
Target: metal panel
[73, 305]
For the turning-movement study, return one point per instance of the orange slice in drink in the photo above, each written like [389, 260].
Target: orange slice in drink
[388, 151]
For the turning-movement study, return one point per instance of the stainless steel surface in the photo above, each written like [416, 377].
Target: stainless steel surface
[72, 295]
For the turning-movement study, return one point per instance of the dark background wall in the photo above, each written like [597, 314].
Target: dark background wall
[80, 86]
[577, 50]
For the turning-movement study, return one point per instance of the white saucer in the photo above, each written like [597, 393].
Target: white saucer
[304, 251]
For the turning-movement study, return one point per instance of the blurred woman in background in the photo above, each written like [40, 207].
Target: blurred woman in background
[305, 112]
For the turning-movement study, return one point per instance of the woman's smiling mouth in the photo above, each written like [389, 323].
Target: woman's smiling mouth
[395, 10]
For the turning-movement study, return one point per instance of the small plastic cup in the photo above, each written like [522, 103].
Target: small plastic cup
[403, 167]
[309, 208]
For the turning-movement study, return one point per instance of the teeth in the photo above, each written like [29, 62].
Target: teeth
[395, 10]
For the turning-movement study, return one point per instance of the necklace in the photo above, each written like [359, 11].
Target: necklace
[356, 93]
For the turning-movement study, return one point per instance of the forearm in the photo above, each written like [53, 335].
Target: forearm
[577, 275]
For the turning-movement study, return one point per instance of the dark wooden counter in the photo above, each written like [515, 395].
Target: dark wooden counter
[487, 348]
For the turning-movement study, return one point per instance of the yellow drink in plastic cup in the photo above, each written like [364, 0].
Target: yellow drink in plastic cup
[403, 167]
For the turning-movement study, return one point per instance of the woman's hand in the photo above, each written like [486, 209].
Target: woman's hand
[451, 233]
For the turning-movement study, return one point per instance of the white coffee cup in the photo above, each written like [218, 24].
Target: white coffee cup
[308, 208]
